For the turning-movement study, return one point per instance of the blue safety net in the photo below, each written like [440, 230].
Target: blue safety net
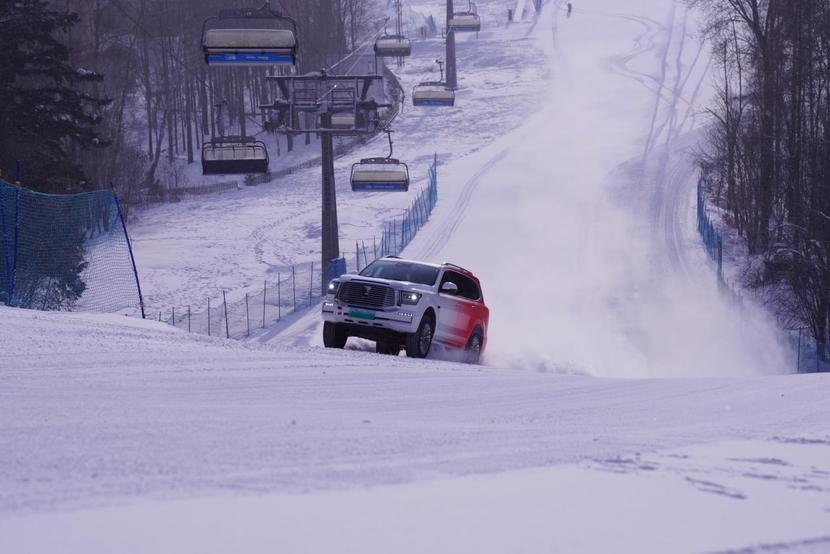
[65, 252]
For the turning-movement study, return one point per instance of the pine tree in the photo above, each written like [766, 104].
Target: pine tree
[45, 113]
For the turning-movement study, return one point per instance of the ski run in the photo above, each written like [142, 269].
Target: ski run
[623, 403]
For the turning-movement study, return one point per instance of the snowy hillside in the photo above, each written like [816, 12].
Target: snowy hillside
[624, 405]
[140, 438]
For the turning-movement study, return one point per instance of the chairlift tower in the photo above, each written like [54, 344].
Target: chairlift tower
[341, 106]
[399, 25]
[452, 73]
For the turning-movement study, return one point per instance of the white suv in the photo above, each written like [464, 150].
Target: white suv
[407, 304]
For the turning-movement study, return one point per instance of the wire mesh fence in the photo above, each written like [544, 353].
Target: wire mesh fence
[65, 252]
[239, 314]
[712, 240]
[807, 359]
[806, 349]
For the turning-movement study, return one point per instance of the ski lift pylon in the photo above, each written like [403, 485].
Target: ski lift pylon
[250, 37]
[380, 174]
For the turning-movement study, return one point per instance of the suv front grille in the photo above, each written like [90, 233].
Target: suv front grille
[369, 295]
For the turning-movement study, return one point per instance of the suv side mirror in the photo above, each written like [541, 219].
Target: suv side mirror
[449, 288]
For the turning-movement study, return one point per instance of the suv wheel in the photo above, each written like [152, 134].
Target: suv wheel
[388, 348]
[334, 335]
[419, 342]
[473, 349]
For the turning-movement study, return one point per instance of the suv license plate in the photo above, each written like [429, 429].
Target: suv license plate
[362, 315]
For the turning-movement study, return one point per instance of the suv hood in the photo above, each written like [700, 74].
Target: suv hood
[398, 285]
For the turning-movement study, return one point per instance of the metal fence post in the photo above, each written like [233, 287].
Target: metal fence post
[279, 297]
[247, 316]
[798, 357]
[294, 286]
[264, 293]
[174, 317]
[188, 318]
[13, 283]
[311, 284]
[129, 249]
[357, 256]
[819, 354]
[227, 327]
[208, 314]
[375, 246]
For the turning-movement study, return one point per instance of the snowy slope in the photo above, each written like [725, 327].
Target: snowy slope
[567, 224]
[140, 438]
[121, 435]
[580, 223]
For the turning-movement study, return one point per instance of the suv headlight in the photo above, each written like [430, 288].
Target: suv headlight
[411, 298]
[332, 288]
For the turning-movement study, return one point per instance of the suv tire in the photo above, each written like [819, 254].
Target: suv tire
[334, 335]
[419, 342]
[472, 352]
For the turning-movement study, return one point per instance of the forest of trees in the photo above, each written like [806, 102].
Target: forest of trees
[101, 91]
[768, 155]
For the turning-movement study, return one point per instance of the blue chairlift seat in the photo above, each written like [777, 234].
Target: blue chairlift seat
[433, 93]
[249, 37]
[380, 174]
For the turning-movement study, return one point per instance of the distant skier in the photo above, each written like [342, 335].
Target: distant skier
[570, 9]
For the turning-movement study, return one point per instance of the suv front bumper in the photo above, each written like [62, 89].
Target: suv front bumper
[398, 319]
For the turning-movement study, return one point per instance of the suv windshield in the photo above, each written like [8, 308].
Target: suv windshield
[396, 270]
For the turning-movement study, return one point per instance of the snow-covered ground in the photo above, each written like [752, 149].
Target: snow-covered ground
[567, 186]
[137, 437]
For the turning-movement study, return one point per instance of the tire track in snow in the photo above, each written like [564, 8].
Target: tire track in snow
[672, 183]
[669, 184]
[455, 217]
[662, 85]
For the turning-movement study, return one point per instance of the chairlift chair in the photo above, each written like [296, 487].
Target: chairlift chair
[465, 22]
[433, 93]
[342, 121]
[234, 156]
[245, 37]
[393, 46]
[386, 174]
